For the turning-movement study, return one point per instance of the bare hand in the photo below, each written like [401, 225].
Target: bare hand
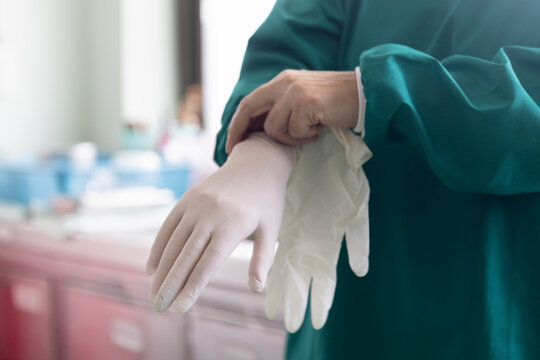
[296, 105]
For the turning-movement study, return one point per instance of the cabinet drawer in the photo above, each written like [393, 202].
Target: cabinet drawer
[213, 337]
[26, 321]
[102, 328]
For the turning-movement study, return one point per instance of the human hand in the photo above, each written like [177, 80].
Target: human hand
[297, 105]
[246, 196]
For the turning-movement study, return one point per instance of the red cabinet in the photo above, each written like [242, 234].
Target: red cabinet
[101, 327]
[26, 323]
[75, 300]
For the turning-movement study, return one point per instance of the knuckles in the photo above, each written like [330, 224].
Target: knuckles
[243, 105]
[303, 94]
[287, 75]
[215, 252]
[298, 88]
[216, 205]
[317, 116]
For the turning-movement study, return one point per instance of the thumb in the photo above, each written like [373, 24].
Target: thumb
[261, 259]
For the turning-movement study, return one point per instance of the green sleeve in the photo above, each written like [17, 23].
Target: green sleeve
[476, 121]
[298, 34]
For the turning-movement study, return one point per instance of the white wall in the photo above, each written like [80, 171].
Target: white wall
[226, 29]
[103, 72]
[149, 68]
[43, 101]
[71, 70]
[2, 46]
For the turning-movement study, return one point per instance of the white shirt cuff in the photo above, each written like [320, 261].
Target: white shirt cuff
[360, 124]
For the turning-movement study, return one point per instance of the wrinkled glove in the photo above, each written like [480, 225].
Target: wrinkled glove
[327, 198]
[245, 197]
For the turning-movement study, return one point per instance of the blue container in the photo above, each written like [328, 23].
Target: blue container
[176, 178]
[33, 182]
[28, 183]
[137, 177]
[4, 182]
[74, 181]
[173, 177]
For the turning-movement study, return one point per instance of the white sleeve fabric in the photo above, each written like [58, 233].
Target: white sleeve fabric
[360, 124]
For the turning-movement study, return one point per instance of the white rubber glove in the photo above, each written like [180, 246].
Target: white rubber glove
[246, 196]
[327, 197]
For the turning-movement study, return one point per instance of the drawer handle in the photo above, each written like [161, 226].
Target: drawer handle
[236, 351]
[126, 335]
[27, 298]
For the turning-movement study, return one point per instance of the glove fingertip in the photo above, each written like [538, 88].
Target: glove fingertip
[274, 296]
[293, 324]
[360, 267]
[271, 309]
[318, 318]
[294, 314]
[255, 285]
[150, 269]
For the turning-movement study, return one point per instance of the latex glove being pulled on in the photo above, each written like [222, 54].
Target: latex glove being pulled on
[246, 196]
[327, 198]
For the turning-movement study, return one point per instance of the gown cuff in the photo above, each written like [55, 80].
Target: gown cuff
[360, 124]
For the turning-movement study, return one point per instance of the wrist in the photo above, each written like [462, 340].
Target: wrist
[353, 90]
[263, 154]
[345, 102]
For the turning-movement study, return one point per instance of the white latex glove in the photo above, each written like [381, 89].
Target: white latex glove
[327, 197]
[244, 197]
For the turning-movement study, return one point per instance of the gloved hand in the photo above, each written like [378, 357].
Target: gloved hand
[327, 197]
[246, 196]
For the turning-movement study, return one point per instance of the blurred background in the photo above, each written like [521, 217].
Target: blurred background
[108, 113]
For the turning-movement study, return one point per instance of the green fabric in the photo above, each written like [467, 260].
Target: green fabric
[453, 121]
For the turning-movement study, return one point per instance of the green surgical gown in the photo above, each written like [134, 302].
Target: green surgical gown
[453, 121]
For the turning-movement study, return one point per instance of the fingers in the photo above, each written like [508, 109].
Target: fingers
[296, 297]
[258, 102]
[261, 259]
[277, 126]
[277, 121]
[170, 253]
[357, 238]
[275, 287]
[300, 126]
[162, 238]
[322, 294]
[357, 232]
[270, 98]
[214, 256]
[274, 293]
[177, 269]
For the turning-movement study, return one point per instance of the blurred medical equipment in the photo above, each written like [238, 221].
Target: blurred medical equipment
[38, 183]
